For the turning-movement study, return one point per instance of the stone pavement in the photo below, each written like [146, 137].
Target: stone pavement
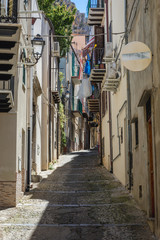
[79, 199]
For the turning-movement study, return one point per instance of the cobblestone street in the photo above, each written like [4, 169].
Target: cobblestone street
[79, 199]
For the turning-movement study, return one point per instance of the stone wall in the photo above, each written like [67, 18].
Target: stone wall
[19, 192]
[11, 192]
[8, 194]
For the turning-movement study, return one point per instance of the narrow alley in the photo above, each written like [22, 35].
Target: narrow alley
[79, 199]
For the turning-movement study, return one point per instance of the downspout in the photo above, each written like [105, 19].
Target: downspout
[109, 96]
[129, 110]
[101, 157]
[28, 162]
[49, 94]
[30, 133]
[30, 112]
[58, 122]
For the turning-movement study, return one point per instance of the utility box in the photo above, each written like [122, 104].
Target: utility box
[56, 50]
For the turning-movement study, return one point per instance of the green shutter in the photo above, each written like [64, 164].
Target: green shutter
[80, 106]
[73, 64]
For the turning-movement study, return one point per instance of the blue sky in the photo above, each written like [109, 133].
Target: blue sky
[81, 5]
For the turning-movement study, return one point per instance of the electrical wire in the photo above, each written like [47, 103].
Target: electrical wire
[135, 13]
[129, 26]
[76, 35]
[48, 103]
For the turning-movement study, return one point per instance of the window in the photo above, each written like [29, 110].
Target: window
[104, 103]
[148, 109]
[24, 69]
[136, 132]
[121, 135]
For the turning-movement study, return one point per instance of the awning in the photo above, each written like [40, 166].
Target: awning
[90, 44]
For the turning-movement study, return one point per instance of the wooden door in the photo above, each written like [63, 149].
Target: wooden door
[151, 169]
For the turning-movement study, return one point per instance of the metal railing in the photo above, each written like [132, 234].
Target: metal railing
[95, 93]
[8, 11]
[97, 57]
[94, 4]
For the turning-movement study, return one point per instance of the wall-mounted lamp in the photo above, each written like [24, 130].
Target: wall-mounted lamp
[67, 95]
[37, 46]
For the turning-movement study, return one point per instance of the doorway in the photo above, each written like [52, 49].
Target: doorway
[150, 159]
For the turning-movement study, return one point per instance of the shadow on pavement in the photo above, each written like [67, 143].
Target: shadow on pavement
[79, 200]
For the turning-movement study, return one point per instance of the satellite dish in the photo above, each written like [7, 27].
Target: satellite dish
[136, 56]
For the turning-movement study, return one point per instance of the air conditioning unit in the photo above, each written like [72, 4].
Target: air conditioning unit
[109, 50]
[56, 50]
[111, 70]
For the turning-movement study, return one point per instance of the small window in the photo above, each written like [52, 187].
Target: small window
[24, 75]
[121, 135]
[136, 132]
[140, 191]
[24, 68]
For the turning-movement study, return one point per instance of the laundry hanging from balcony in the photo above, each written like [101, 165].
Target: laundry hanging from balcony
[81, 66]
[85, 89]
[89, 46]
[87, 69]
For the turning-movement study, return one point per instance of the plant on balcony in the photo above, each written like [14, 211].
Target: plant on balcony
[62, 19]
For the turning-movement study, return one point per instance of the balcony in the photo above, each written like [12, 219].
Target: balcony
[112, 79]
[93, 101]
[6, 94]
[76, 80]
[98, 68]
[95, 12]
[93, 105]
[9, 47]
[76, 107]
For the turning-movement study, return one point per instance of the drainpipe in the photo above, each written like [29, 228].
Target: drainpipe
[29, 123]
[110, 134]
[28, 162]
[49, 94]
[30, 133]
[101, 157]
[109, 96]
[129, 110]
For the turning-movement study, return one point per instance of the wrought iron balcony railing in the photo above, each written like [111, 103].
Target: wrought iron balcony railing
[94, 4]
[97, 57]
[8, 11]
